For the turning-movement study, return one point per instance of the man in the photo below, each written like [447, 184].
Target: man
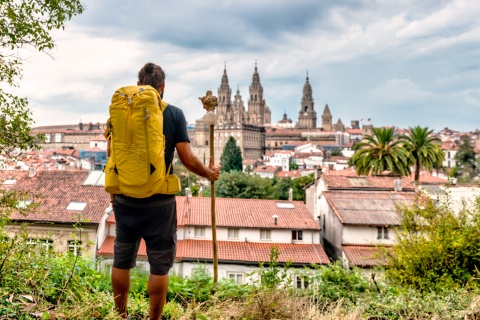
[153, 219]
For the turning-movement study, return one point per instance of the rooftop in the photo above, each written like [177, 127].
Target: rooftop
[230, 251]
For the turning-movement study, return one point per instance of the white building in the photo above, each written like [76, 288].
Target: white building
[356, 214]
[246, 231]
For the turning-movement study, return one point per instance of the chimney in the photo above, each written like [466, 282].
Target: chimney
[290, 195]
[200, 191]
[187, 194]
[275, 219]
[397, 185]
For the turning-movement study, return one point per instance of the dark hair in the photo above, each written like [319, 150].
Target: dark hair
[151, 74]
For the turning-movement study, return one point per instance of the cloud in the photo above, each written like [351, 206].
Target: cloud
[400, 92]
[363, 57]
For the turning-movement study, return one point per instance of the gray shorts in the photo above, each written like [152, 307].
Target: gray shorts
[154, 221]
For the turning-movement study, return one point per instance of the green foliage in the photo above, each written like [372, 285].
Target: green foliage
[424, 148]
[273, 276]
[298, 185]
[380, 152]
[231, 158]
[25, 24]
[199, 287]
[236, 184]
[436, 248]
[333, 283]
[241, 185]
[281, 187]
[465, 156]
[293, 166]
[336, 152]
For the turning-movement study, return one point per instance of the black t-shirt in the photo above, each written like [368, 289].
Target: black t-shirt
[175, 131]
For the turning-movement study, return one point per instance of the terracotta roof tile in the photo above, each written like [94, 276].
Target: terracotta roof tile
[367, 208]
[268, 169]
[242, 252]
[335, 182]
[364, 256]
[242, 213]
[291, 174]
[58, 188]
[246, 213]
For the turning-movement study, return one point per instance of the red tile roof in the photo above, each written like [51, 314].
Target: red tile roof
[427, 178]
[242, 213]
[368, 208]
[232, 251]
[247, 213]
[364, 256]
[291, 174]
[336, 182]
[57, 189]
[267, 169]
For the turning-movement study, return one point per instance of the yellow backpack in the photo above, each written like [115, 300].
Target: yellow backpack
[136, 166]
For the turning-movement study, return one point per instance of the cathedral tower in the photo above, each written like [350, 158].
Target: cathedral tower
[256, 103]
[239, 114]
[307, 117]
[327, 119]
[224, 109]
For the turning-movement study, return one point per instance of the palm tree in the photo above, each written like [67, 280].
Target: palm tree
[380, 152]
[424, 148]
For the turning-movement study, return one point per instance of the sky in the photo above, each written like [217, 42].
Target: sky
[402, 63]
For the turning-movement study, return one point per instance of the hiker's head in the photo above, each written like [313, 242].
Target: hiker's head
[152, 75]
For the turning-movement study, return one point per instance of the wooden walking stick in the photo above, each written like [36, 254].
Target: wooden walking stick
[209, 103]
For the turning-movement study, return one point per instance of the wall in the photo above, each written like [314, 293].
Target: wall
[365, 235]
[61, 234]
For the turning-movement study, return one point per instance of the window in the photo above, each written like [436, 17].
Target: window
[45, 244]
[75, 247]
[9, 182]
[199, 232]
[235, 276]
[301, 282]
[382, 233]
[265, 234]
[47, 138]
[297, 235]
[233, 233]
[206, 142]
[58, 137]
[76, 205]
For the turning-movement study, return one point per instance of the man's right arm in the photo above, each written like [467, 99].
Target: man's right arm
[193, 164]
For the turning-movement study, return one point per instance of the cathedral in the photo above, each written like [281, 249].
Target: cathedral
[252, 128]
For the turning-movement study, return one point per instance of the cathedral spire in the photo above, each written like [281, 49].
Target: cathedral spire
[224, 99]
[307, 117]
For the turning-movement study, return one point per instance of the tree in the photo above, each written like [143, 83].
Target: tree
[436, 247]
[231, 159]
[236, 184]
[380, 152]
[465, 156]
[25, 24]
[293, 166]
[337, 152]
[424, 149]
[298, 185]
[280, 188]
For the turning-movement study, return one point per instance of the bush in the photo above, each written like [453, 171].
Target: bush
[436, 248]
